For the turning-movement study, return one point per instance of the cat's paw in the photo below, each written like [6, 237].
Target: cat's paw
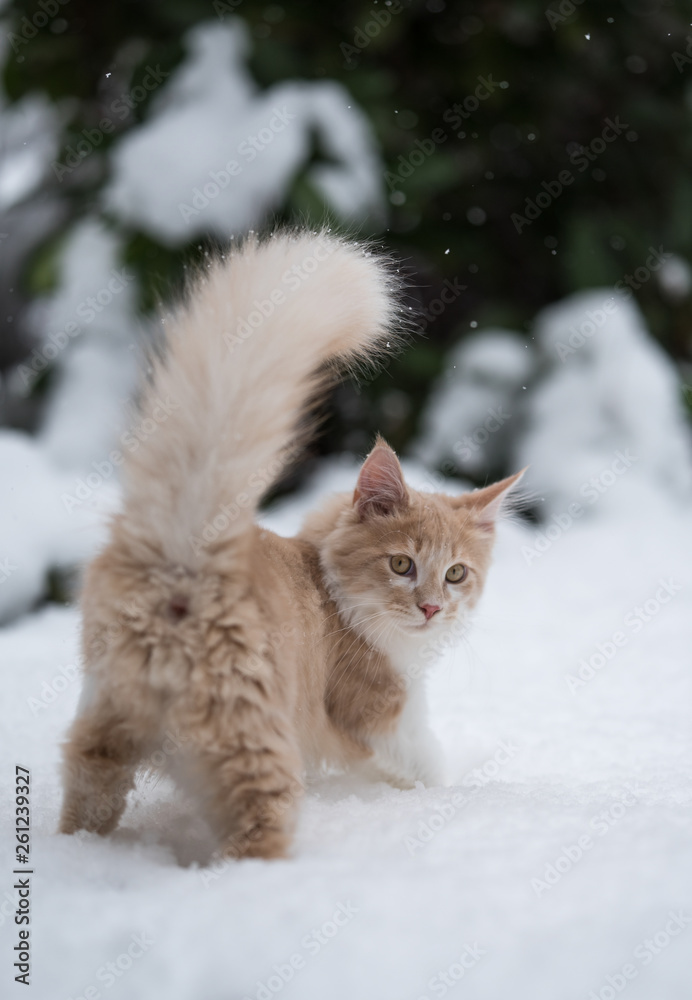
[429, 772]
[427, 764]
[432, 774]
[404, 762]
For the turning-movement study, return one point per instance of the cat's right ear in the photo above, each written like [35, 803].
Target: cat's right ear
[487, 503]
[380, 490]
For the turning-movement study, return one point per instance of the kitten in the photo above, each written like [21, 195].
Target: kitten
[265, 656]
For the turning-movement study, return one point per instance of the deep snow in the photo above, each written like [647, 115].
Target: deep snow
[418, 879]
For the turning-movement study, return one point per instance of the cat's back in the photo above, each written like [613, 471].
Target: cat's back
[291, 565]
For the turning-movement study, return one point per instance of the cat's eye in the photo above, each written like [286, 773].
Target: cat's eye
[401, 564]
[456, 573]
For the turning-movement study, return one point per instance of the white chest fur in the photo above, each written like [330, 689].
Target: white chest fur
[410, 752]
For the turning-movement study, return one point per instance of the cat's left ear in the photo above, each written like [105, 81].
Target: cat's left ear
[380, 489]
[487, 503]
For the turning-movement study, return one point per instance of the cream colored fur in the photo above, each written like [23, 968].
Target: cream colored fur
[263, 656]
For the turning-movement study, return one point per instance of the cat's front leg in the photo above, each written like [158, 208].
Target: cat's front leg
[409, 752]
[387, 716]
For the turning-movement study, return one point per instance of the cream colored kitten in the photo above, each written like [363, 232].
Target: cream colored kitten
[266, 656]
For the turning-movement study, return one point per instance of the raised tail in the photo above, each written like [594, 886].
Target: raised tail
[222, 410]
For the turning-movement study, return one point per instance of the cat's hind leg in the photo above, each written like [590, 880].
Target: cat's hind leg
[100, 758]
[243, 766]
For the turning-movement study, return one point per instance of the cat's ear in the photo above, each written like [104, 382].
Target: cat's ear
[380, 490]
[488, 502]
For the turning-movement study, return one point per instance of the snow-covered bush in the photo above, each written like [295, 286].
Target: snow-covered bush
[587, 401]
[212, 157]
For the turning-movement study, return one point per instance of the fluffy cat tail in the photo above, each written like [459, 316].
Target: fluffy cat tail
[223, 412]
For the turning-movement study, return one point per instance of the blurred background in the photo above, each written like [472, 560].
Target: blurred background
[528, 165]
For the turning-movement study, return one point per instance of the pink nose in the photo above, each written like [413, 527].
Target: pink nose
[429, 610]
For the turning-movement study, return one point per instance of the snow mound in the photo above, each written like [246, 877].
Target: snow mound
[38, 530]
[472, 409]
[88, 326]
[608, 407]
[597, 401]
[236, 150]
[28, 142]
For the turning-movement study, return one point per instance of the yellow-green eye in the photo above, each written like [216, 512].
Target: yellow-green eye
[401, 564]
[456, 573]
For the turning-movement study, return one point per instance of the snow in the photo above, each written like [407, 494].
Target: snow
[93, 322]
[237, 150]
[608, 388]
[38, 530]
[565, 715]
[675, 278]
[468, 421]
[29, 132]
[56, 485]
[588, 399]
[418, 879]
[28, 142]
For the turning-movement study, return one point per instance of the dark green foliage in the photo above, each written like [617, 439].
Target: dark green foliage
[565, 72]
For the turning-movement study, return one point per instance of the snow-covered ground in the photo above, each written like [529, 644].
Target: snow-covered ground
[557, 862]
[560, 848]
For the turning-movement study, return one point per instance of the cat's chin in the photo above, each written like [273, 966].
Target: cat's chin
[420, 628]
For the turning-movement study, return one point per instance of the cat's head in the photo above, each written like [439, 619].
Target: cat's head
[401, 563]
